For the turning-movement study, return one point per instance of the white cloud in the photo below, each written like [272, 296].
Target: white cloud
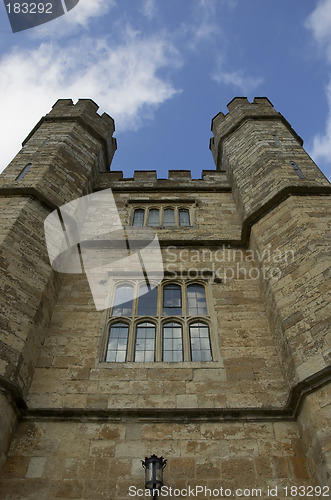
[321, 149]
[73, 21]
[149, 8]
[237, 78]
[200, 25]
[319, 22]
[207, 19]
[205, 26]
[124, 80]
[87, 9]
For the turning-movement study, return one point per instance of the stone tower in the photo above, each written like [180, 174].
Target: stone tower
[222, 368]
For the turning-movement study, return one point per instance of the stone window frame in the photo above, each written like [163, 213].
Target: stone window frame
[190, 206]
[159, 320]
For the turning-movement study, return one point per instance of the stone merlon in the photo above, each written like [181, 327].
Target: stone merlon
[85, 113]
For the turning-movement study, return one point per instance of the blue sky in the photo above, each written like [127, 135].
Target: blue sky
[163, 68]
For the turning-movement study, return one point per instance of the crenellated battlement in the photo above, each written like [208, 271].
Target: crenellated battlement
[241, 110]
[256, 148]
[84, 107]
[240, 106]
[212, 180]
[173, 175]
[84, 112]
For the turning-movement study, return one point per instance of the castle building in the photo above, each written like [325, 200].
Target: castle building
[220, 365]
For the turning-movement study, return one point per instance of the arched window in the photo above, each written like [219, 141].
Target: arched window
[117, 342]
[153, 217]
[169, 323]
[145, 342]
[168, 217]
[123, 301]
[172, 300]
[138, 217]
[147, 301]
[172, 342]
[200, 342]
[196, 300]
[184, 217]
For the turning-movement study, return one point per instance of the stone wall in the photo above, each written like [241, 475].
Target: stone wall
[298, 302]
[246, 371]
[65, 152]
[103, 460]
[8, 421]
[254, 417]
[315, 433]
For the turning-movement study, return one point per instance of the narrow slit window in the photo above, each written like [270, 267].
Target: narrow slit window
[24, 171]
[297, 170]
[200, 342]
[117, 343]
[169, 217]
[153, 217]
[172, 300]
[145, 342]
[172, 342]
[123, 301]
[147, 302]
[138, 217]
[184, 217]
[196, 300]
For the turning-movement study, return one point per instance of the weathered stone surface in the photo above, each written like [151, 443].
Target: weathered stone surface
[8, 420]
[257, 416]
[214, 455]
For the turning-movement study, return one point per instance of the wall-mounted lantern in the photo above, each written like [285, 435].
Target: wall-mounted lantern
[154, 473]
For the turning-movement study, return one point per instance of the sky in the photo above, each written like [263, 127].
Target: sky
[164, 68]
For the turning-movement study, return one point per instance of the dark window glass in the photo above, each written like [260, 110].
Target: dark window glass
[196, 300]
[24, 171]
[200, 342]
[172, 342]
[117, 343]
[153, 217]
[169, 217]
[147, 302]
[138, 217]
[123, 301]
[184, 217]
[145, 342]
[172, 300]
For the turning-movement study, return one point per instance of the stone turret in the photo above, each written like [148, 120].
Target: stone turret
[281, 198]
[262, 155]
[59, 162]
[67, 150]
